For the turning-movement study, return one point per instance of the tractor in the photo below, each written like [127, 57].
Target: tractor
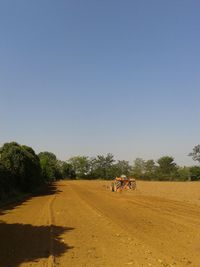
[123, 183]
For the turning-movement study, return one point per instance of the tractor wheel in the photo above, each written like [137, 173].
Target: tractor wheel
[115, 187]
[133, 185]
[112, 187]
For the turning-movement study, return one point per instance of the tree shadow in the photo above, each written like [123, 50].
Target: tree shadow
[45, 190]
[20, 243]
[50, 189]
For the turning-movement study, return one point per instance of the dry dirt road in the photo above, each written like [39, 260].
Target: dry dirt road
[82, 223]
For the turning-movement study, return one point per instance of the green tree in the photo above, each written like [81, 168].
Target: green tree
[102, 166]
[150, 169]
[68, 171]
[51, 169]
[138, 169]
[195, 154]
[81, 166]
[6, 183]
[183, 173]
[23, 165]
[167, 169]
[121, 167]
[195, 173]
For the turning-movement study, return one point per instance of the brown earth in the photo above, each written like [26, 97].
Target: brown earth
[82, 223]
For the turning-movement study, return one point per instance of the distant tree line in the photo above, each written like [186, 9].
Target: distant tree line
[105, 167]
[164, 169]
[23, 171]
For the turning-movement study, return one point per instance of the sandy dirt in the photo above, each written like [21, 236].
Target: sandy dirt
[82, 223]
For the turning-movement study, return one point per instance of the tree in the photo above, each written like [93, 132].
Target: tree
[195, 173]
[102, 166]
[183, 173]
[138, 169]
[68, 171]
[51, 169]
[22, 164]
[121, 167]
[81, 166]
[150, 169]
[167, 169]
[195, 154]
[6, 182]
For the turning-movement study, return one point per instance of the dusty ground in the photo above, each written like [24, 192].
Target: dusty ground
[82, 223]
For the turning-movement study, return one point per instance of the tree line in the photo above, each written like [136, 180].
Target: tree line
[23, 171]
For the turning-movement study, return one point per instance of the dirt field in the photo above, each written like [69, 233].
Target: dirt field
[82, 223]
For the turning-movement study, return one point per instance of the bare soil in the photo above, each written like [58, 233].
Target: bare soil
[82, 223]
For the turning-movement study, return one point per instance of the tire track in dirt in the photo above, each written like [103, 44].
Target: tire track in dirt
[51, 258]
[147, 222]
[143, 252]
[104, 229]
[30, 227]
[96, 238]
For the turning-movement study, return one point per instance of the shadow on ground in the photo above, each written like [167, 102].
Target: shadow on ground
[21, 243]
[43, 191]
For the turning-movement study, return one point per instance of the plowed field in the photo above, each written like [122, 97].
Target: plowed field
[82, 223]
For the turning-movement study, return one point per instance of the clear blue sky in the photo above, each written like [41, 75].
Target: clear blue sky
[91, 77]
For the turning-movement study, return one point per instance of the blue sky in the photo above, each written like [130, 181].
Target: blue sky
[91, 77]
